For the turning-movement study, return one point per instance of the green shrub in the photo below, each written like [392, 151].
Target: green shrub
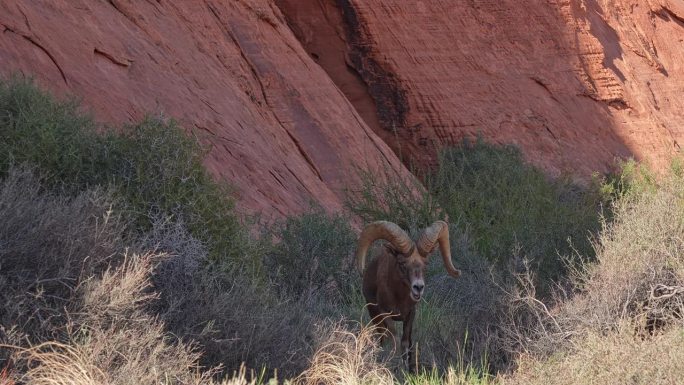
[505, 204]
[386, 196]
[312, 256]
[501, 202]
[48, 134]
[153, 167]
[158, 171]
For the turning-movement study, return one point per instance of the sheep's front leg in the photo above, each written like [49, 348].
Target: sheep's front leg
[407, 342]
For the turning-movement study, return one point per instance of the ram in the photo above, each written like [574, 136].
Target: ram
[394, 281]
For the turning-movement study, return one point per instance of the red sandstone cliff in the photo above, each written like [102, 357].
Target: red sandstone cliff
[285, 90]
[280, 130]
[574, 83]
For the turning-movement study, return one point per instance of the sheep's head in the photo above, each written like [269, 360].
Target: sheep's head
[411, 257]
[411, 266]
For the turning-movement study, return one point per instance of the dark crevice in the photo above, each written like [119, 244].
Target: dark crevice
[111, 58]
[205, 129]
[390, 99]
[544, 86]
[228, 33]
[301, 182]
[40, 46]
[304, 154]
[280, 182]
[677, 18]
[551, 132]
[617, 103]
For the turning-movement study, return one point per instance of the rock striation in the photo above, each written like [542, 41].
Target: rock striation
[293, 96]
[573, 83]
[232, 72]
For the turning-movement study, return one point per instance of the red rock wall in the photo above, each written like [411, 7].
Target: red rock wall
[574, 83]
[292, 107]
[232, 71]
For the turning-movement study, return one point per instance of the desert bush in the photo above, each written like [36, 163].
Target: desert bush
[47, 243]
[622, 323]
[458, 320]
[152, 167]
[385, 196]
[158, 171]
[639, 271]
[312, 256]
[505, 204]
[52, 135]
[233, 318]
[73, 303]
[109, 337]
[616, 357]
[347, 357]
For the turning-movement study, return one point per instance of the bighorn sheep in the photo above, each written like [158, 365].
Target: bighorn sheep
[393, 283]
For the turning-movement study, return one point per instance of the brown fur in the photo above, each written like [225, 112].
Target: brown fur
[387, 292]
[394, 281]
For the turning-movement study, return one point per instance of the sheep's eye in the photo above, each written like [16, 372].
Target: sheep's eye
[402, 267]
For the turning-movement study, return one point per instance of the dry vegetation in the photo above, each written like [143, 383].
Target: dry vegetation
[108, 277]
[624, 324]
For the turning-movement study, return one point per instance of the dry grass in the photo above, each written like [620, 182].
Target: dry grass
[348, 358]
[74, 305]
[618, 357]
[47, 243]
[110, 339]
[639, 258]
[624, 322]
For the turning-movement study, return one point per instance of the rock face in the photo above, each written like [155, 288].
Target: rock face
[573, 83]
[294, 95]
[232, 71]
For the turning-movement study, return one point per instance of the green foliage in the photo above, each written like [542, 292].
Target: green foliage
[152, 166]
[312, 256]
[632, 178]
[506, 204]
[39, 130]
[501, 202]
[457, 375]
[158, 170]
[387, 197]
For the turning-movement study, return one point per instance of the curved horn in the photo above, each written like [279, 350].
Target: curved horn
[438, 232]
[381, 230]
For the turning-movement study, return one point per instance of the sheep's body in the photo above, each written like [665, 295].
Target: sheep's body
[388, 299]
[393, 282]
